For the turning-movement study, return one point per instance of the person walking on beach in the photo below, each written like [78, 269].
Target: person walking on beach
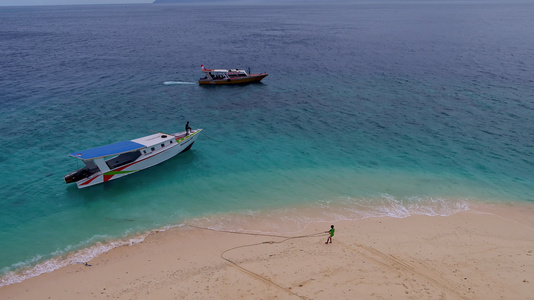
[331, 231]
[187, 129]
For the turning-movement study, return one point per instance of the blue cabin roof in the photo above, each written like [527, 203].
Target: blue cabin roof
[108, 150]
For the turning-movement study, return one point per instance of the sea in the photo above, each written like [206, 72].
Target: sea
[371, 109]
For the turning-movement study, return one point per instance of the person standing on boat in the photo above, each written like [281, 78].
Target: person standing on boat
[187, 129]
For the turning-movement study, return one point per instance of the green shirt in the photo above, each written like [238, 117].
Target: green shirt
[332, 232]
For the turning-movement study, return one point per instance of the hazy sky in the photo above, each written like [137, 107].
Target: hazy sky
[68, 2]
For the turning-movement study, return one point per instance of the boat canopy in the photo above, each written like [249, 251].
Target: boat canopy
[216, 70]
[108, 150]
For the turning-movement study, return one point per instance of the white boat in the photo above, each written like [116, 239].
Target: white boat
[117, 160]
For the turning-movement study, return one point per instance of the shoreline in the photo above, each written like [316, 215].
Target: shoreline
[482, 253]
[289, 220]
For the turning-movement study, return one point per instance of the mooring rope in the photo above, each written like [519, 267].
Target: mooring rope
[209, 138]
[251, 273]
[235, 264]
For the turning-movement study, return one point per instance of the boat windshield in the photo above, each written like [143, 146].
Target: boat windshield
[122, 159]
[218, 75]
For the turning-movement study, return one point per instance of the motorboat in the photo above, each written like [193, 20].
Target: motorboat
[117, 160]
[228, 76]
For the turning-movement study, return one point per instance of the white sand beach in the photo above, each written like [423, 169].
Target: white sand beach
[484, 253]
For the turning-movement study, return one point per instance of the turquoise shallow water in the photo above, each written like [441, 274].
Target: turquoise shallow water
[370, 109]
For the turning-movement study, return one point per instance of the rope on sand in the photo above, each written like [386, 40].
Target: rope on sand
[249, 272]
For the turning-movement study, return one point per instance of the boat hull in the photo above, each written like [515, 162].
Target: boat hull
[143, 162]
[229, 81]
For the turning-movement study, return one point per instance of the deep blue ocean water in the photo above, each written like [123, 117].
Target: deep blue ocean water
[371, 108]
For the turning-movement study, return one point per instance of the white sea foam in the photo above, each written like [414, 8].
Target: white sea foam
[295, 219]
[63, 258]
[390, 206]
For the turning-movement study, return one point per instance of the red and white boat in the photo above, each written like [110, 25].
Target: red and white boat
[117, 160]
[231, 76]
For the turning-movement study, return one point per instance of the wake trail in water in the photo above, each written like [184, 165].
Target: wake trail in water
[177, 82]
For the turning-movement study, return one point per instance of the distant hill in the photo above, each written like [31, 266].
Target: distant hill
[186, 1]
[172, 1]
[227, 1]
